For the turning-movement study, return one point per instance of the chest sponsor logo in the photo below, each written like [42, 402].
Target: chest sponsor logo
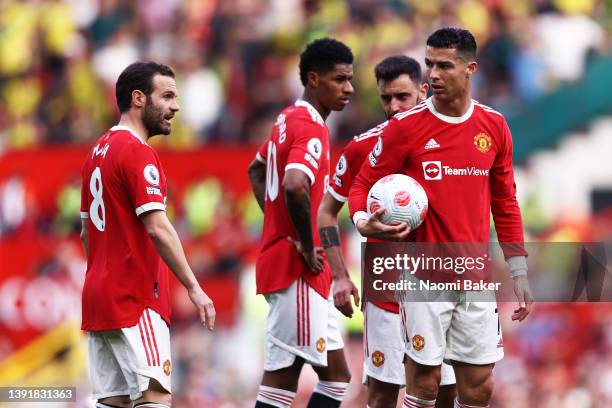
[483, 142]
[434, 170]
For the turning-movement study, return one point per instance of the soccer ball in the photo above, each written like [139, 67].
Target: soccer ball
[402, 197]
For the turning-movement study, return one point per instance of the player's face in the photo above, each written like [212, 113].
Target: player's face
[400, 94]
[447, 73]
[334, 88]
[161, 106]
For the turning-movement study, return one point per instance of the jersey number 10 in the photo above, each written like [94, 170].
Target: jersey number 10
[271, 173]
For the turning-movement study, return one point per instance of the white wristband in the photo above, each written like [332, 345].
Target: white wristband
[518, 266]
[359, 215]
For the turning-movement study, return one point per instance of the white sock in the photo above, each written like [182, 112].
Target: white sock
[276, 397]
[151, 405]
[460, 405]
[332, 389]
[414, 402]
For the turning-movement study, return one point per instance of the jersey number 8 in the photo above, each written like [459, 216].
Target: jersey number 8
[97, 213]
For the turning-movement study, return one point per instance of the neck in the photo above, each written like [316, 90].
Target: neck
[310, 98]
[135, 124]
[453, 107]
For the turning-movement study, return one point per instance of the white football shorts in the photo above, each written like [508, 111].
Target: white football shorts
[122, 361]
[384, 348]
[460, 330]
[300, 323]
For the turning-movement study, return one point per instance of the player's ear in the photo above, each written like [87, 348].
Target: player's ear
[139, 99]
[423, 89]
[313, 79]
[471, 68]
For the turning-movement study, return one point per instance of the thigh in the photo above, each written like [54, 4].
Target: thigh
[297, 326]
[475, 334]
[107, 378]
[425, 326]
[384, 346]
[143, 352]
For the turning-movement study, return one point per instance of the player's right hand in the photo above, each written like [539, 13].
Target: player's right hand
[373, 227]
[205, 307]
[312, 258]
[343, 289]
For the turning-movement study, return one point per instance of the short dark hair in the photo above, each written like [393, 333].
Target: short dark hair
[450, 37]
[138, 76]
[392, 67]
[322, 55]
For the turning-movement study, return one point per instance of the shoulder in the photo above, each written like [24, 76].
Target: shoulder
[304, 113]
[488, 112]
[369, 134]
[416, 112]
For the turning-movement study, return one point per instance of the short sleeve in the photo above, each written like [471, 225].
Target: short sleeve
[340, 185]
[145, 180]
[262, 153]
[307, 149]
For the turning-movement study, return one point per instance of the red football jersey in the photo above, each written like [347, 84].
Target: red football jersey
[299, 140]
[349, 164]
[463, 163]
[122, 178]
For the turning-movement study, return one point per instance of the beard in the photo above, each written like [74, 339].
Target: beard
[153, 119]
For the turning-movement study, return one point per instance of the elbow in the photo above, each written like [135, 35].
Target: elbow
[256, 171]
[295, 188]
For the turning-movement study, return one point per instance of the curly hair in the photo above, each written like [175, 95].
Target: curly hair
[322, 55]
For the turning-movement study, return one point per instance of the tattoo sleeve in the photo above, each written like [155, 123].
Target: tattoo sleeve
[299, 212]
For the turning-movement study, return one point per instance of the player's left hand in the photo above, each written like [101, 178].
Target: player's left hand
[205, 307]
[343, 289]
[524, 297]
[312, 258]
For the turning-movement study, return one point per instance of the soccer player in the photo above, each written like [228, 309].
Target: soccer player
[400, 88]
[289, 176]
[130, 244]
[435, 143]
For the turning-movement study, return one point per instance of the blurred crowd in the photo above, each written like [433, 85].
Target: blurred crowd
[236, 60]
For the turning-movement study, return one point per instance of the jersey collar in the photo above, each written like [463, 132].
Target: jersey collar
[316, 116]
[121, 127]
[450, 119]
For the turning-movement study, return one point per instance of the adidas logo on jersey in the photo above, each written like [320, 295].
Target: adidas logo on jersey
[431, 144]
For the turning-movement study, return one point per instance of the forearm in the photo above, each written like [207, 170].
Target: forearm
[330, 239]
[169, 247]
[83, 236]
[257, 178]
[298, 206]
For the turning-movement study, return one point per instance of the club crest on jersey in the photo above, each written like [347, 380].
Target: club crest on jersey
[378, 358]
[341, 166]
[418, 342]
[151, 174]
[315, 147]
[482, 141]
[321, 345]
[167, 368]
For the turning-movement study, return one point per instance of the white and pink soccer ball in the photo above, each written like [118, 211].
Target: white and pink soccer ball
[403, 198]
